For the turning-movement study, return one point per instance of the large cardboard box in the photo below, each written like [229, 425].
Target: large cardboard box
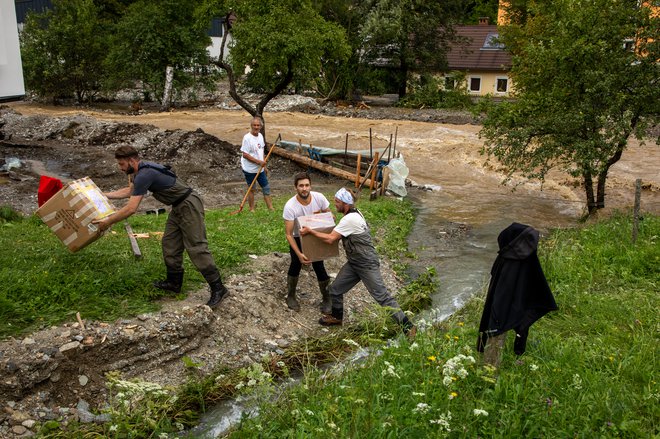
[69, 213]
[313, 247]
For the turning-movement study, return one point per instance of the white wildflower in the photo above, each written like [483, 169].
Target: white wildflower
[422, 407]
[480, 412]
[443, 422]
[351, 342]
[308, 412]
[113, 427]
[533, 367]
[414, 346]
[390, 370]
[418, 394]
[577, 382]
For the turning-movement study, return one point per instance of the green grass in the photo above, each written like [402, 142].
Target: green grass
[43, 284]
[590, 370]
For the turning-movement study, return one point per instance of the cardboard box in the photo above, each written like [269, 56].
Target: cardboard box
[313, 247]
[69, 213]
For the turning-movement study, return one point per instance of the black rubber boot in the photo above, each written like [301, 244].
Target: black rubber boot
[291, 301]
[326, 303]
[172, 283]
[218, 293]
[520, 343]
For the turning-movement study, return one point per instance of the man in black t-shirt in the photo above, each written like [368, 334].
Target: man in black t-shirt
[185, 228]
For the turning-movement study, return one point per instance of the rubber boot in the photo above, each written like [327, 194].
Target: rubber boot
[291, 301]
[520, 342]
[218, 293]
[172, 283]
[334, 319]
[326, 304]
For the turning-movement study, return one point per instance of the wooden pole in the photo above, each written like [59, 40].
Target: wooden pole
[396, 132]
[373, 172]
[346, 149]
[389, 150]
[357, 177]
[638, 197]
[371, 154]
[374, 184]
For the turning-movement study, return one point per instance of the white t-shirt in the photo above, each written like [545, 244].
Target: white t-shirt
[293, 209]
[253, 145]
[350, 224]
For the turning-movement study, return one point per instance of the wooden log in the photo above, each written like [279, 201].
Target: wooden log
[386, 180]
[357, 171]
[303, 160]
[493, 350]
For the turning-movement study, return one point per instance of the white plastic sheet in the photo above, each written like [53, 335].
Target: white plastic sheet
[398, 175]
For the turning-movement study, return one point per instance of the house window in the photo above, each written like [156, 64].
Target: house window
[501, 84]
[629, 45]
[450, 82]
[475, 84]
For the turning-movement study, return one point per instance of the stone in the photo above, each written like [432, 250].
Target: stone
[83, 380]
[19, 429]
[69, 346]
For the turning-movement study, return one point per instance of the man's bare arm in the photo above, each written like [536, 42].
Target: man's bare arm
[328, 238]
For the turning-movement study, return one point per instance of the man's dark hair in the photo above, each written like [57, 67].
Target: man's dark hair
[126, 152]
[301, 176]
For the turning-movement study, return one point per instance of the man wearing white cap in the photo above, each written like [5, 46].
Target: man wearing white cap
[362, 263]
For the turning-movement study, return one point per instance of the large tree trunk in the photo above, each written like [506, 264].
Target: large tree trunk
[167, 92]
[589, 190]
[403, 79]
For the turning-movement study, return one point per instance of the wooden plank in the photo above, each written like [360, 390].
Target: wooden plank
[134, 244]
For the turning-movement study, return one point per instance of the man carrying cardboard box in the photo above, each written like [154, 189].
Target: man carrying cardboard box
[185, 228]
[306, 202]
[362, 263]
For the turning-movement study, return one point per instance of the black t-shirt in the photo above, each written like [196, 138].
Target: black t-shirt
[149, 179]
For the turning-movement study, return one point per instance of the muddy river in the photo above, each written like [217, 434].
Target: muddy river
[466, 194]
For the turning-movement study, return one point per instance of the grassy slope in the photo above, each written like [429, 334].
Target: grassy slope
[591, 368]
[42, 283]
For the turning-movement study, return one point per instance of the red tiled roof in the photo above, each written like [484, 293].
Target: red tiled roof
[472, 55]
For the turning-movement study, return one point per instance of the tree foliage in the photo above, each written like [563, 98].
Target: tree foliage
[580, 94]
[274, 44]
[152, 35]
[409, 35]
[63, 50]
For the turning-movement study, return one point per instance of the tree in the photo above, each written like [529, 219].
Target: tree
[152, 36]
[340, 78]
[275, 43]
[63, 50]
[586, 79]
[409, 35]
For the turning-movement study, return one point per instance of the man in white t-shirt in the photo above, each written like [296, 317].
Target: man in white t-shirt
[252, 162]
[306, 202]
[362, 263]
